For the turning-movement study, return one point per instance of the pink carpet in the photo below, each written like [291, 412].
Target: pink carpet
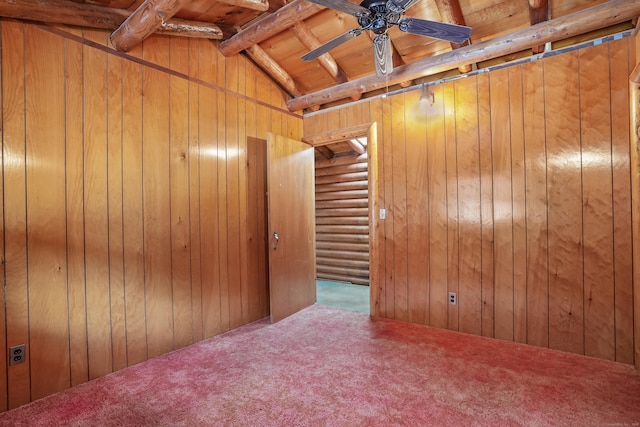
[330, 367]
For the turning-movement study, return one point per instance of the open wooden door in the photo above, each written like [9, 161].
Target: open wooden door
[290, 189]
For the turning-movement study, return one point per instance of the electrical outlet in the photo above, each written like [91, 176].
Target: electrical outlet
[383, 214]
[453, 298]
[17, 354]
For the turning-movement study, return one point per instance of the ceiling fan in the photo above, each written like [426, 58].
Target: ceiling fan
[380, 15]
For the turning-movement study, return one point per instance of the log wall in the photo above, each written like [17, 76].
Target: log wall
[342, 219]
[129, 200]
[512, 190]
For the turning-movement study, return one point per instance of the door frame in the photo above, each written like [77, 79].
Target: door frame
[370, 131]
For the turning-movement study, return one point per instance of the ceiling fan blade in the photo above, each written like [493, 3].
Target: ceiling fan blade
[343, 6]
[438, 30]
[382, 53]
[333, 43]
[400, 6]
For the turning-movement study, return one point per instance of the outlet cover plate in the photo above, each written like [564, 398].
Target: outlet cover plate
[453, 298]
[17, 354]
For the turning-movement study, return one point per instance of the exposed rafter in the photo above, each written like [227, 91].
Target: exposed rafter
[325, 152]
[310, 41]
[146, 20]
[262, 58]
[538, 12]
[94, 16]
[356, 146]
[284, 18]
[451, 13]
[603, 15]
[261, 5]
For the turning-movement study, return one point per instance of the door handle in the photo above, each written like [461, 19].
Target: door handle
[275, 236]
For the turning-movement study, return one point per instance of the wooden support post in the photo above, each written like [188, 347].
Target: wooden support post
[284, 18]
[603, 15]
[451, 13]
[634, 150]
[538, 12]
[149, 17]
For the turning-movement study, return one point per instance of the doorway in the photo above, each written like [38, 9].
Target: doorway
[259, 235]
[344, 231]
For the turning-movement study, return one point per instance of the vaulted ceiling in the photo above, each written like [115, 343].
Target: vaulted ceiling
[276, 33]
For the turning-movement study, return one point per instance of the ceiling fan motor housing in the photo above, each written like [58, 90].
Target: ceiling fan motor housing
[380, 19]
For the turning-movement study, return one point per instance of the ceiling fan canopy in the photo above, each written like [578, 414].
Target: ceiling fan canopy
[378, 16]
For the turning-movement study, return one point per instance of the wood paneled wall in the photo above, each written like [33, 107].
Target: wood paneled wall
[128, 206]
[512, 190]
[342, 219]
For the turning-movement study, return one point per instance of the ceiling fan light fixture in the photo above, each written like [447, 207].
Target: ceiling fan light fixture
[427, 97]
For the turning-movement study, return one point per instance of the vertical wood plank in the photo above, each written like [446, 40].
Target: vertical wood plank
[564, 195]
[15, 205]
[179, 173]
[157, 199]
[518, 191]
[452, 202]
[114, 191]
[417, 199]
[209, 212]
[620, 69]
[536, 205]
[486, 204]
[222, 214]
[243, 236]
[597, 203]
[46, 216]
[95, 208]
[3, 325]
[194, 190]
[133, 209]
[400, 239]
[233, 209]
[470, 231]
[437, 168]
[75, 213]
[502, 202]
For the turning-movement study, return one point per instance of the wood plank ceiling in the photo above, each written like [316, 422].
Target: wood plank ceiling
[276, 33]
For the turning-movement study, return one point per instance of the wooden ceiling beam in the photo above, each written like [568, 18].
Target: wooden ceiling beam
[261, 5]
[325, 152]
[146, 20]
[334, 136]
[285, 17]
[591, 19]
[538, 12]
[271, 67]
[310, 41]
[94, 16]
[356, 146]
[451, 13]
